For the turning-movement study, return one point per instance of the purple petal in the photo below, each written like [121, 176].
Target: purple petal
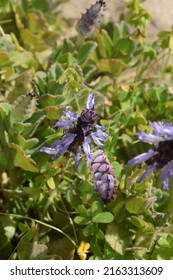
[166, 174]
[142, 157]
[59, 147]
[90, 101]
[76, 159]
[99, 133]
[64, 142]
[149, 138]
[147, 173]
[86, 149]
[96, 140]
[162, 128]
[47, 150]
[65, 124]
[71, 116]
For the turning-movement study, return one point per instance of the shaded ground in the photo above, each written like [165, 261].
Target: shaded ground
[161, 11]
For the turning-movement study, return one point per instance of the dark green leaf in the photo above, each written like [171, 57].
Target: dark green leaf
[85, 51]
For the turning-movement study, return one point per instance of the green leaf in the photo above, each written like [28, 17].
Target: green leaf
[51, 100]
[4, 58]
[85, 51]
[53, 112]
[3, 159]
[116, 34]
[105, 217]
[137, 204]
[139, 223]
[117, 168]
[107, 42]
[23, 227]
[66, 59]
[83, 211]
[26, 144]
[112, 66]
[81, 220]
[99, 234]
[21, 160]
[96, 208]
[117, 237]
[23, 108]
[51, 183]
[88, 230]
[125, 45]
[5, 108]
[69, 75]
[36, 21]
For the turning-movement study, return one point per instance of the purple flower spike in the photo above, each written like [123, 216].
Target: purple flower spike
[162, 156]
[79, 132]
[103, 176]
[89, 21]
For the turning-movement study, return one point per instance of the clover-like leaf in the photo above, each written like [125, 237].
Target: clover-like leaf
[104, 217]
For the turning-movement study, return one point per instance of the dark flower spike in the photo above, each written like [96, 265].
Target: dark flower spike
[90, 20]
[78, 133]
[103, 176]
[162, 156]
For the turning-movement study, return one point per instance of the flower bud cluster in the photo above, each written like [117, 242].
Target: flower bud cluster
[103, 175]
[89, 21]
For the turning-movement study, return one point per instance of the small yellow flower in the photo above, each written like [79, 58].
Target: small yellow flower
[130, 87]
[83, 250]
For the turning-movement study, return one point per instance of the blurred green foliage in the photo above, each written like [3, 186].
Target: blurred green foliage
[47, 208]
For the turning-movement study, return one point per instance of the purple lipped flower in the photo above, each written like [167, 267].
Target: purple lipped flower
[103, 175]
[90, 20]
[79, 132]
[162, 156]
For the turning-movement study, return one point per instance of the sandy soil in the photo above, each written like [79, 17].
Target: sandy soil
[160, 10]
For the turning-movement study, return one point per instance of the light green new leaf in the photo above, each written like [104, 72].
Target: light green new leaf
[137, 204]
[21, 160]
[81, 220]
[112, 66]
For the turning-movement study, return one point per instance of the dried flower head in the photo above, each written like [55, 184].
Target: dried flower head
[103, 175]
[162, 156]
[78, 133]
[90, 20]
